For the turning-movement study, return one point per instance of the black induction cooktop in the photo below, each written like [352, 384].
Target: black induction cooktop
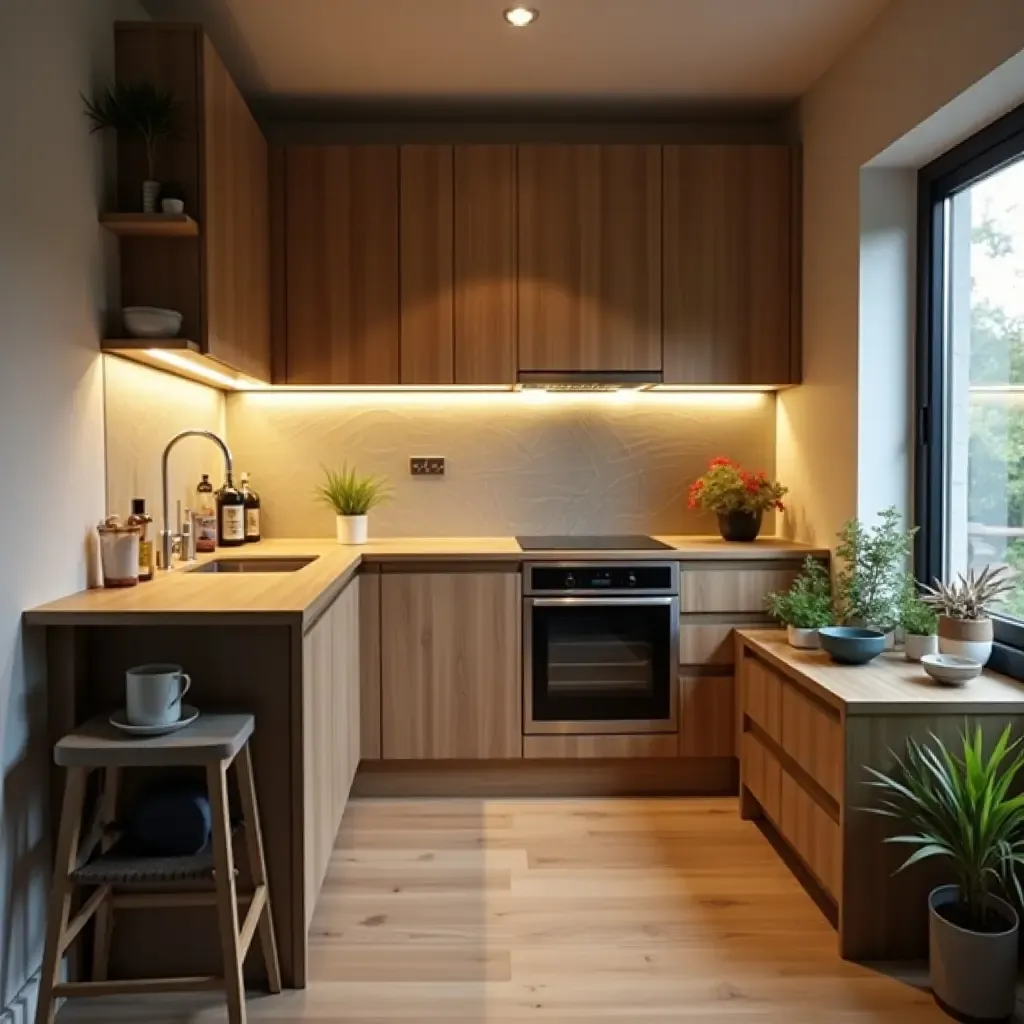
[604, 542]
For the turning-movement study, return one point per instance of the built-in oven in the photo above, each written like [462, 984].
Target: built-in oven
[600, 647]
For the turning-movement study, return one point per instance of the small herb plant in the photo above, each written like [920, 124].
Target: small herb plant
[916, 617]
[350, 494]
[958, 808]
[727, 487]
[969, 597]
[869, 584]
[808, 602]
[139, 109]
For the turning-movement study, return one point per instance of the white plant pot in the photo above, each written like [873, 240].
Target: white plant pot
[150, 190]
[915, 646]
[977, 650]
[172, 205]
[352, 529]
[966, 638]
[805, 639]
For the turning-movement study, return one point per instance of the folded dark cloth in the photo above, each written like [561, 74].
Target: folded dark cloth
[170, 819]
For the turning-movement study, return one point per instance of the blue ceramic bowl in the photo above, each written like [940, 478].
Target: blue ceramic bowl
[851, 646]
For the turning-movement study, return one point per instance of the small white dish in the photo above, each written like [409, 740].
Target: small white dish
[119, 720]
[949, 669]
[151, 321]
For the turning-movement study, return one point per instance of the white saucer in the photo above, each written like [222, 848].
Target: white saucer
[119, 719]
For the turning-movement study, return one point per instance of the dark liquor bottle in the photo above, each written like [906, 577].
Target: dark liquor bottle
[230, 516]
[252, 511]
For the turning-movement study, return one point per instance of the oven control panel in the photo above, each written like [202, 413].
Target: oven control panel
[593, 579]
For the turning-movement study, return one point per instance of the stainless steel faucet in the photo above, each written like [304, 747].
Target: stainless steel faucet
[167, 537]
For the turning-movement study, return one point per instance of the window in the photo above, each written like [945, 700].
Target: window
[970, 445]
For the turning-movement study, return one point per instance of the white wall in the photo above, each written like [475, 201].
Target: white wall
[53, 281]
[916, 59]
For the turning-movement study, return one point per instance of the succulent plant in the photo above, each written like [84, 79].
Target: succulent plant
[969, 597]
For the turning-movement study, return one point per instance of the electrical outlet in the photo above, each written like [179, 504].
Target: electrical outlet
[426, 465]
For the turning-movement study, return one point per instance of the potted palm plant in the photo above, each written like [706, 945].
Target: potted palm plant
[806, 606]
[352, 496]
[958, 809]
[140, 110]
[738, 497]
[965, 626]
[918, 622]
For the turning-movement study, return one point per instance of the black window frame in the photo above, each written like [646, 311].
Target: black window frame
[992, 148]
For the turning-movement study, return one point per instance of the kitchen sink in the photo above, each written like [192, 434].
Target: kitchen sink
[265, 564]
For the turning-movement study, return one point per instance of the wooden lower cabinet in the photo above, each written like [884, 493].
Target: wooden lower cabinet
[578, 746]
[330, 727]
[451, 679]
[707, 716]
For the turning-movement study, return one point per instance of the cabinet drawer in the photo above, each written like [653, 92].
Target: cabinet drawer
[568, 746]
[813, 736]
[732, 590]
[762, 696]
[812, 833]
[762, 775]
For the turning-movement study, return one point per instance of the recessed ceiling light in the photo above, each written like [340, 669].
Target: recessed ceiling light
[520, 17]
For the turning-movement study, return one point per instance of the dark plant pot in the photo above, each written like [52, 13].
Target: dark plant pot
[739, 526]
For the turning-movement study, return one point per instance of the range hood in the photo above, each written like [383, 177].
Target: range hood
[588, 380]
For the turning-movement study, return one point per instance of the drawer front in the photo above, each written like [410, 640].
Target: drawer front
[812, 833]
[710, 643]
[569, 746]
[813, 737]
[707, 716]
[762, 775]
[734, 591]
[762, 696]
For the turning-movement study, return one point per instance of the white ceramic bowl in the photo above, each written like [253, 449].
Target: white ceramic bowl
[151, 322]
[950, 669]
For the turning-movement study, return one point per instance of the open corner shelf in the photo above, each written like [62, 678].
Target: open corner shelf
[151, 225]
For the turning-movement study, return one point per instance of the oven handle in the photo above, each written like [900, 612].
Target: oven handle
[556, 602]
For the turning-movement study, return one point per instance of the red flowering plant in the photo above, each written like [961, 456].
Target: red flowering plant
[727, 487]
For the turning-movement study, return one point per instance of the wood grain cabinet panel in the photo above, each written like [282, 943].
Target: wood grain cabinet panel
[728, 265]
[811, 832]
[451, 665]
[426, 231]
[762, 697]
[589, 236]
[813, 736]
[485, 264]
[707, 716]
[578, 747]
[732, 591]
[761, 773]
[342, 264]
[709, 643]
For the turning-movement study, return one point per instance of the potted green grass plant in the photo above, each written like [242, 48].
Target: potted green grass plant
[958, 807]
[806, 606]
[352, 497]
[918, 622]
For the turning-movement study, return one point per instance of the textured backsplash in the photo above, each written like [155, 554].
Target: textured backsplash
[524, 462]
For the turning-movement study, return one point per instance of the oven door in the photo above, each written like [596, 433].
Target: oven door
[600, 664]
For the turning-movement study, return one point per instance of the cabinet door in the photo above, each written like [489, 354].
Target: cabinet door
[707, 716]
[485, 265]
[728, 265]
[450, 665]
[589, 258]
[341, 255]
[426, 231]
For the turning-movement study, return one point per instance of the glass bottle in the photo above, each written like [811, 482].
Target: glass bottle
[252, 511]
[147, 550]
[230, 516]
[206, 516]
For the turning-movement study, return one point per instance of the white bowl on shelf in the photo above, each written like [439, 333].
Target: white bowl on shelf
[949, 669]
[151, 322]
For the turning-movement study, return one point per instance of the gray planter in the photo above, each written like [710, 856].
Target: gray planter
[972, 973]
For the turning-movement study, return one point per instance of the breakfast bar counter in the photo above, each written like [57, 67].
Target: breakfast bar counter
[808, 728]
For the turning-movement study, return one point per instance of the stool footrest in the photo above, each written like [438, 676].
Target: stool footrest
[137, 986]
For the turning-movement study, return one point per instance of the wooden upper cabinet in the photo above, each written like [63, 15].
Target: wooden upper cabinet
[589, 235]
[426, 231]
[341, 264]
[729, 265]
[219, 279]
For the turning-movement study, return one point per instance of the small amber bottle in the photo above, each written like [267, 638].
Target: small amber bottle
[147, 550]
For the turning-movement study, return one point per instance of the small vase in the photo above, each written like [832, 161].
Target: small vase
[739, 526]
[803, 639]
[966, 638]
[916, 646]
[352, 529]
[172, 205]
[150, 191]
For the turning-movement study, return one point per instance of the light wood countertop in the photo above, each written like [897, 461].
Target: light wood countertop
[888, 685]
[185, 597]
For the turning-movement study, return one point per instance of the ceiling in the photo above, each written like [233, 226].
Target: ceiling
[588, 51]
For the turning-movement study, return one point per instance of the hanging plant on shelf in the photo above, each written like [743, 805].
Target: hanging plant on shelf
[139, 110]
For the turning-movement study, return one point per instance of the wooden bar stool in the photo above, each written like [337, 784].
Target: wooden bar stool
[215, 743]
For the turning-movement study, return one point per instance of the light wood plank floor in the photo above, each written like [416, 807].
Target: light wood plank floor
[575, 911]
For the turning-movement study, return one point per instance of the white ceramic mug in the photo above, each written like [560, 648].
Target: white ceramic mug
[153, 694]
